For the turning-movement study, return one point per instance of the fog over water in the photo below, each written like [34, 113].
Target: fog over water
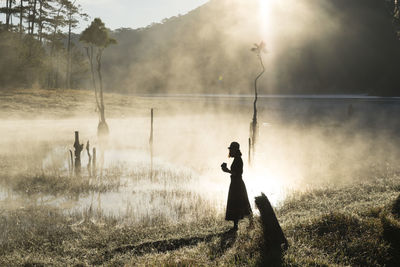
[304, 143]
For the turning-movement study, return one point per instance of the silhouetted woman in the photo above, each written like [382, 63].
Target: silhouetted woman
[238, 205]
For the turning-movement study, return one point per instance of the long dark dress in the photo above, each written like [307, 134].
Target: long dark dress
[238, 205]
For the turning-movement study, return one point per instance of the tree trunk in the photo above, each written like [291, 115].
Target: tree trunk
[7, 16]
[54, 63]
[98, 57]
[21, 12]
[29, 17]
[8, 13]
[89, 53]
[68, 75]
[33, 16]
[40, 24]
[254, 124]
[102, 129]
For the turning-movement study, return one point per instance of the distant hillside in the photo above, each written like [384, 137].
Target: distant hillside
[314, 46]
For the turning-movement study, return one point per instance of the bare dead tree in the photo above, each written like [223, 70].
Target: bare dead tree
[258, 49]
[103, 127]
[96, 36]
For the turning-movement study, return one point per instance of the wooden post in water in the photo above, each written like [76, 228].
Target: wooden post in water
[252, 140]
[71, 163]
[89, 166]
[78, 149]
[94, 171]
[249, 151]
[151, 145]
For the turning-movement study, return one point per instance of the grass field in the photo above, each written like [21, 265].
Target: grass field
[356, 225]
[175, 216]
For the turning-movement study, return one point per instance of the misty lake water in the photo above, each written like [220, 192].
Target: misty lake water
[302, 138]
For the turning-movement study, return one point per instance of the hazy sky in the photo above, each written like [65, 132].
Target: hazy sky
[135, 13]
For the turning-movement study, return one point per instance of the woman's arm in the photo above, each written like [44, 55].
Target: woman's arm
[224, 168]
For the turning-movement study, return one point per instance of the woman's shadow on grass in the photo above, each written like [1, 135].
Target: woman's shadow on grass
[226, 240]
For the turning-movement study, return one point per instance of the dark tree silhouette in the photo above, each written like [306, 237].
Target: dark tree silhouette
[258, 49]
[7, 11]
[74, 13]
[97, 38]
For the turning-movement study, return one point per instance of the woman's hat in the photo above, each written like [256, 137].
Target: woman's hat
[234, 145]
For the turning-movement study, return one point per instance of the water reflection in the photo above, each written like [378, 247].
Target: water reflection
[172, 194]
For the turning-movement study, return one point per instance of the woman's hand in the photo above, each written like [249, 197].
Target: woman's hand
[224, 168]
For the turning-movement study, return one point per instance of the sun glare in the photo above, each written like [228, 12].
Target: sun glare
[272, 184]
[265, 12]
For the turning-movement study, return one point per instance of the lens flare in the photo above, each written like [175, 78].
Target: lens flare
[268, 182]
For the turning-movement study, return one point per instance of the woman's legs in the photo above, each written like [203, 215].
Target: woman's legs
[235, 224]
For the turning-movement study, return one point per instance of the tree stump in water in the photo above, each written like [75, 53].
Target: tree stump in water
[78, 149]
[273, 235]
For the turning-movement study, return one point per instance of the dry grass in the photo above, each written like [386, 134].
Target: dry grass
[55, 182]
[342, 226]
[360, 232]
[39, 103]
[58, 184]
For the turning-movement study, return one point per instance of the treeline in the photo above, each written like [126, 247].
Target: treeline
[334, 46]
[36, 47]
